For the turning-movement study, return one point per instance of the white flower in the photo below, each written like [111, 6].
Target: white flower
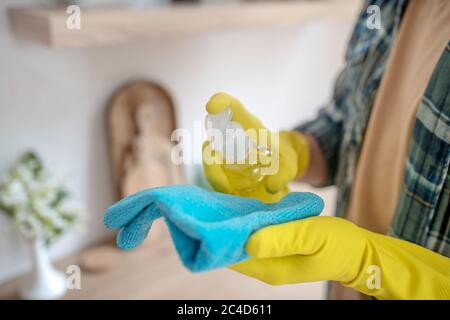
[37, 200]
[28, 224]
[24, 173]
[14, 195]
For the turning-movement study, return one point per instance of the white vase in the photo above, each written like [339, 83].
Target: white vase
[44, 282]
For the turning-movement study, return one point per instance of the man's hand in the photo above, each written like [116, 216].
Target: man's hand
[292, 149]
[330, 248]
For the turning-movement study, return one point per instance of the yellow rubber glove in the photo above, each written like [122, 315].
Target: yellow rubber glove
[292, 147]
[330, 248]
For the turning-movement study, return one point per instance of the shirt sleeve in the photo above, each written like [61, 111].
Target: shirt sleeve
[328, 127]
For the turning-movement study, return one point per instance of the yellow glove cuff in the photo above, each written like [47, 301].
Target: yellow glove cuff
[300, 144]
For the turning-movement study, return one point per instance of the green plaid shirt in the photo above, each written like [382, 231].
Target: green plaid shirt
[422, 215]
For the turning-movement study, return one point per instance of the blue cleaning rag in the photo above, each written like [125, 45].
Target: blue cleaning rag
[209, 229]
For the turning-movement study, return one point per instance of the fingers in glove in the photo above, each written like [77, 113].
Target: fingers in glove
[312, 249]
[284, 270]
[286, 171]
[301, 237]
[221, 101]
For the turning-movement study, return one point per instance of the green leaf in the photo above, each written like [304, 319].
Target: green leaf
[61, 195]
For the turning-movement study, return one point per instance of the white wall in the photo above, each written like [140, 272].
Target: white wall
[53, 100]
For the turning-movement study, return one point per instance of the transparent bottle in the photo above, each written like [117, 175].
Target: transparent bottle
[241, 154]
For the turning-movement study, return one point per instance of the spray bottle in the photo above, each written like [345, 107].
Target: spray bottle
[242, 156]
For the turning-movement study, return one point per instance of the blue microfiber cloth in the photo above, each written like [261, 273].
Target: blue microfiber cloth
[209, 229]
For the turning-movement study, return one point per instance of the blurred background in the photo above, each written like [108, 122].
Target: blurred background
[58, 86]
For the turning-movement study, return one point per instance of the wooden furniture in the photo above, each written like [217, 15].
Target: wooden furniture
[108, 26]
[153, 271]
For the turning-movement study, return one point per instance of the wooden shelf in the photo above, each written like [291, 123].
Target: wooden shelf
[109, 26]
